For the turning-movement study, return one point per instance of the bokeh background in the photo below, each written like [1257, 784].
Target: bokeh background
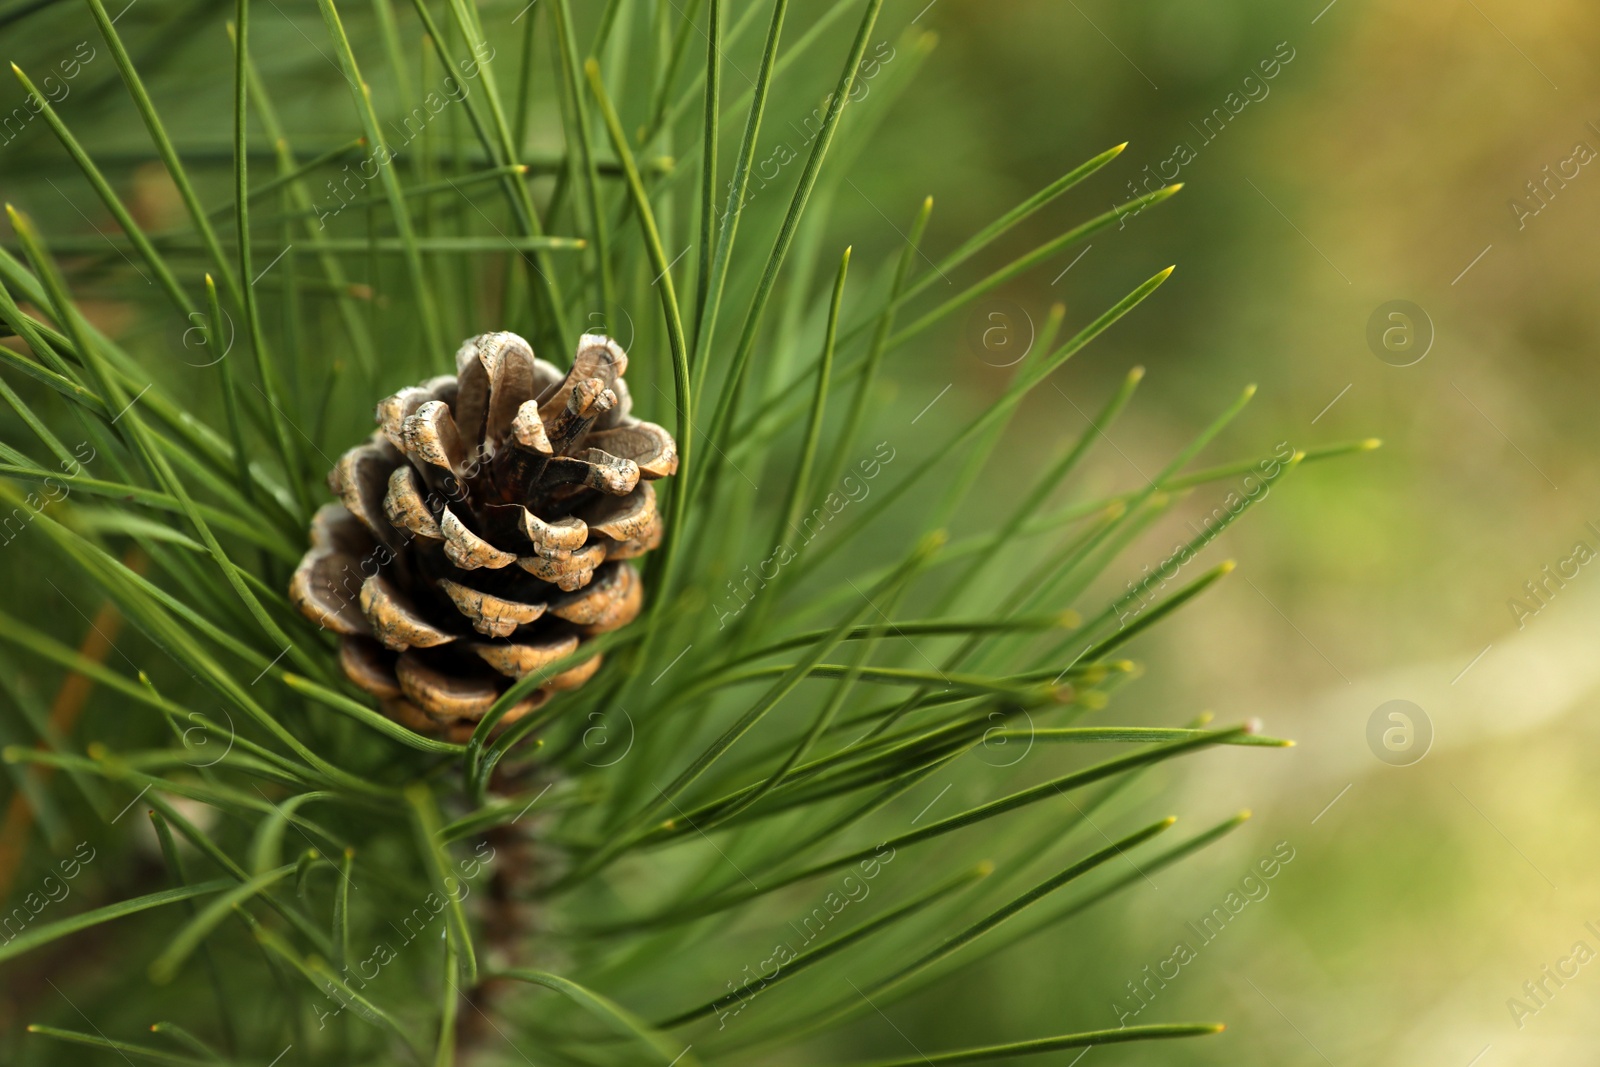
[1384, 160]
[1382, 165]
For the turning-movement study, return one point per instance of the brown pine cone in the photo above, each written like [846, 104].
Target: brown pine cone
[483, 531]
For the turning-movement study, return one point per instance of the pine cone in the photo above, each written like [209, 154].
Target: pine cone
[484, 529]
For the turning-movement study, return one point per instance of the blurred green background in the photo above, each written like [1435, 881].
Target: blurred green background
[1381, 165]
[1380, 162]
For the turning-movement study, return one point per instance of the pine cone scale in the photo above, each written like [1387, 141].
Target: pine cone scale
[404, 507]
[490, 615]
